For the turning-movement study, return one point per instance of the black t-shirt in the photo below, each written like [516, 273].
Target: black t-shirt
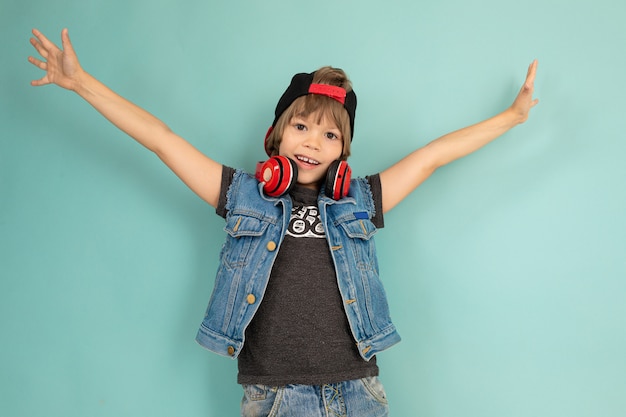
[300, 333]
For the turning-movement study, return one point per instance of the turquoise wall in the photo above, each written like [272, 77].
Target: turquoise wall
[506, 270]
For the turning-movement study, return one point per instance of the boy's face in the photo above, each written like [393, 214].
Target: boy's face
[313, 146]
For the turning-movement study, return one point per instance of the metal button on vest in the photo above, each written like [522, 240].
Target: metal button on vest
[250, 298]
[271, 246]
[231, 350]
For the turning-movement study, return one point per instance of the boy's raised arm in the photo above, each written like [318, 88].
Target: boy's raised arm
[402, 178]
[200, 173]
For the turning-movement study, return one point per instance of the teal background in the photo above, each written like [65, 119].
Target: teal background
[505, 271]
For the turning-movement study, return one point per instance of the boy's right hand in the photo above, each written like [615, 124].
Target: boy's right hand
[61, 66]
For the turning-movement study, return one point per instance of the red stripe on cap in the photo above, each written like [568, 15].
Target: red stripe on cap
[332, 91]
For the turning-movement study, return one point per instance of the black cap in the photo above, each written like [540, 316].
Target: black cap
[302, 84]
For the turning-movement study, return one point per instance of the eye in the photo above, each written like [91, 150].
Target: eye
[299, 126]
[331, 135]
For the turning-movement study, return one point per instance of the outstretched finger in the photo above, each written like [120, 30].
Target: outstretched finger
[38, 63]
[530, 76]
[44, 42]
[42, 81]
[39, 47]
[530, 82]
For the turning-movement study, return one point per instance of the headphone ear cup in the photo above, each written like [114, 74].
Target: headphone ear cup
[338, 180]
[278, 175]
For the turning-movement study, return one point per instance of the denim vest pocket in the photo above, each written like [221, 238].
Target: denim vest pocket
[244, 230]
[246, 224]
[360, 242]
[358, 228]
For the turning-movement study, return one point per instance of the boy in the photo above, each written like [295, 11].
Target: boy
[298, 276]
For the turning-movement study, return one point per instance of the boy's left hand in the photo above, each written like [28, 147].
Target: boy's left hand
[524, 100]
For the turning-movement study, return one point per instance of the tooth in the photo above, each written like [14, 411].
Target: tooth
[308, 160]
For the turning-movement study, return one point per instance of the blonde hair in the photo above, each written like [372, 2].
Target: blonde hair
[322, 106]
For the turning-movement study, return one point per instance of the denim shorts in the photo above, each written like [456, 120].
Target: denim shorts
[358, 398]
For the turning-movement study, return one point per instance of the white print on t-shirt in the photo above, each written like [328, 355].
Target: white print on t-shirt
[305, 222]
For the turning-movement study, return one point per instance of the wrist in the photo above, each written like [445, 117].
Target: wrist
[81, 84]
[514, 117]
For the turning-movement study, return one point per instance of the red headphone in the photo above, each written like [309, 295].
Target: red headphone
[279, 174]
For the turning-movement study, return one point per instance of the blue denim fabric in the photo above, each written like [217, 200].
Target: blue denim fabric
[255, 227]
[358, 398]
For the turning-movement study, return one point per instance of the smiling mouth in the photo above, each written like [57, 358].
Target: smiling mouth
[307, 160]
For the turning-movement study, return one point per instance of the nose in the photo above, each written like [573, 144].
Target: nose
[312, 141]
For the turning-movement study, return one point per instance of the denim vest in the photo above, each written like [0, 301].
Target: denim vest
[256, 225]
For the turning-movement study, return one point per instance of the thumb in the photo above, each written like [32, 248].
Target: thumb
[67, 44]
